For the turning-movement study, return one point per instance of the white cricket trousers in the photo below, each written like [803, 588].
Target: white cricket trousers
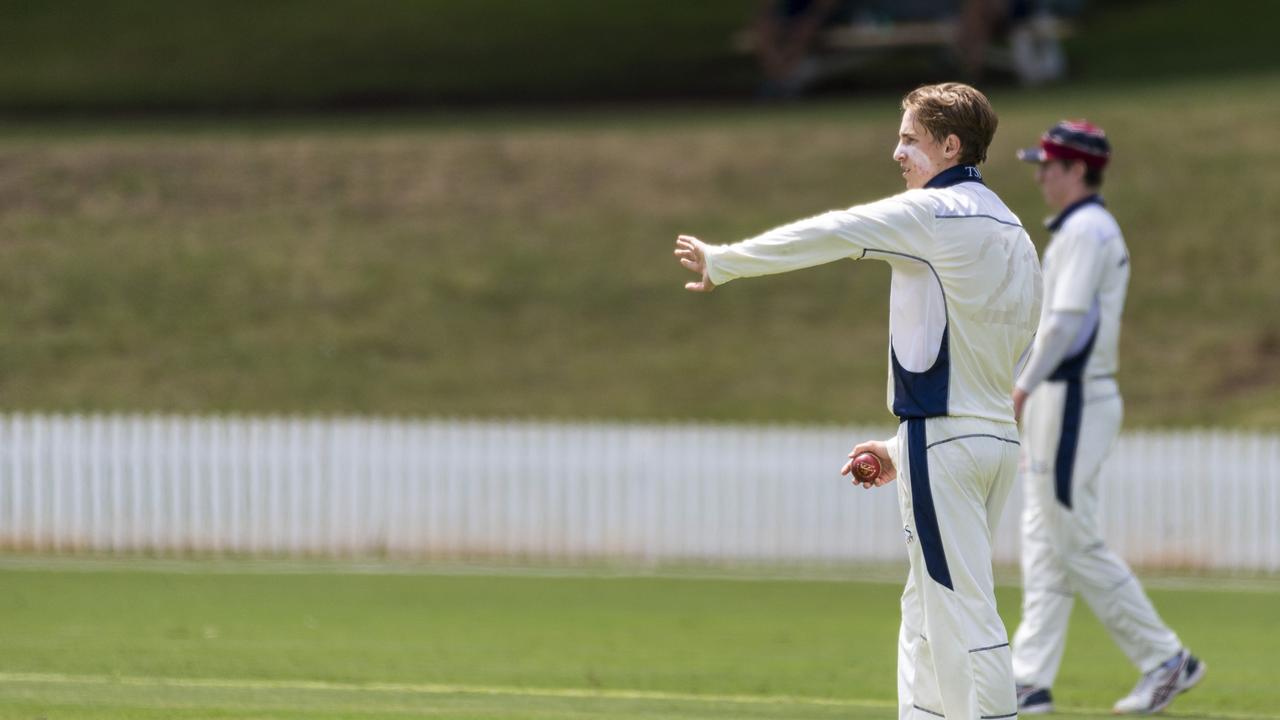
[954, 475]
[1068, 430]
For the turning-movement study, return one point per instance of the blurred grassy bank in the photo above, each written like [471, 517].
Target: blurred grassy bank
[521, 265]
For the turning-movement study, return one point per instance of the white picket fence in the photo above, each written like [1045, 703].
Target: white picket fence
[563, 492]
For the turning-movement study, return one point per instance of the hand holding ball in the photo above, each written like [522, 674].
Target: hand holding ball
[870, 465]
[865, 467]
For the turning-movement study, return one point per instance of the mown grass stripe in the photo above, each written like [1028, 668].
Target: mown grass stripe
[434, 689]
[877, 574]
[500, 690]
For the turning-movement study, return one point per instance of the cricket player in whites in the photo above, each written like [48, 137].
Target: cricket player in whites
[963, 306]
[1071, 419]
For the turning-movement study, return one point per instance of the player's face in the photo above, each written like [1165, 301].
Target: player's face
[1055, 181]
[918, 154]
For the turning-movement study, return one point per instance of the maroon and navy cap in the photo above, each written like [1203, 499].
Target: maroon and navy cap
[1071, 140]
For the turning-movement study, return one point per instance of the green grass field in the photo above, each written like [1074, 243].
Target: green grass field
[107, 641]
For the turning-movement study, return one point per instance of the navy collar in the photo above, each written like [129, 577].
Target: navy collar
[1055, 223]
[954, 175]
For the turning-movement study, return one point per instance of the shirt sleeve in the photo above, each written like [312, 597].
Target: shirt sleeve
[902, 224]
[1078, 266]
[1050, 348]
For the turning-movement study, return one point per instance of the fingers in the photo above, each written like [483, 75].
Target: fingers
[687, 244]
[692, 260]
[847, 469]
[689, 255]
[872, 446]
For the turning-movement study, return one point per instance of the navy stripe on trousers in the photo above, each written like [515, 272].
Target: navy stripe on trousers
[926, 516]
[1065, 463]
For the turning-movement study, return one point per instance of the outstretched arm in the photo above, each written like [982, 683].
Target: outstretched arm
[902, 225]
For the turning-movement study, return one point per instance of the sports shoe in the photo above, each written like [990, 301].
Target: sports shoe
[1034, 700]
[1158, 688]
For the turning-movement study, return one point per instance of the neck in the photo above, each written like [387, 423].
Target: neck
[1076, 195]
[944, 168]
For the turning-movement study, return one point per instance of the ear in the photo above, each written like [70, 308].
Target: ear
[951, 146]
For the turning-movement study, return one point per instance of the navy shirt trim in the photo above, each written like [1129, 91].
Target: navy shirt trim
[926, 393]
[955, 175]
[989, 217]
[922, 508]
[923, 394]
[1064, 465]
[1055, 223]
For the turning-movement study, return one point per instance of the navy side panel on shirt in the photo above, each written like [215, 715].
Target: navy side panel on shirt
[925, 394]
[922, 394]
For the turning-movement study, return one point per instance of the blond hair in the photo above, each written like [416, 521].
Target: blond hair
[955, 109]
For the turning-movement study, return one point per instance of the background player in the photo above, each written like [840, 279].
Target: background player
[1073, 412]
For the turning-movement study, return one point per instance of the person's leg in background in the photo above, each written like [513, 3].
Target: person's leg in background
[1047, 597]
[1066, 448]
[1101, 577]
[1105, 580]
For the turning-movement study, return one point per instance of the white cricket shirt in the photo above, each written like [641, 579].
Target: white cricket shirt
[1086, 268]
[965, 292]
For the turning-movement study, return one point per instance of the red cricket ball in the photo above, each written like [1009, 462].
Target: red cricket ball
[866, 467]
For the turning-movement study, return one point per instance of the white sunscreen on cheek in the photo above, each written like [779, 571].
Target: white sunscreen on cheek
[919, 161]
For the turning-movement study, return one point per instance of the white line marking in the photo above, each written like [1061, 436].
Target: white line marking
[875, 574]
[435, 689]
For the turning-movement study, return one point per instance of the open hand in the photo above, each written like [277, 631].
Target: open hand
[689, 250]
[888, 473]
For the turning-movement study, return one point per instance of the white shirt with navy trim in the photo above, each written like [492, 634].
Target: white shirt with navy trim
[1086, 269]
[965, 293]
